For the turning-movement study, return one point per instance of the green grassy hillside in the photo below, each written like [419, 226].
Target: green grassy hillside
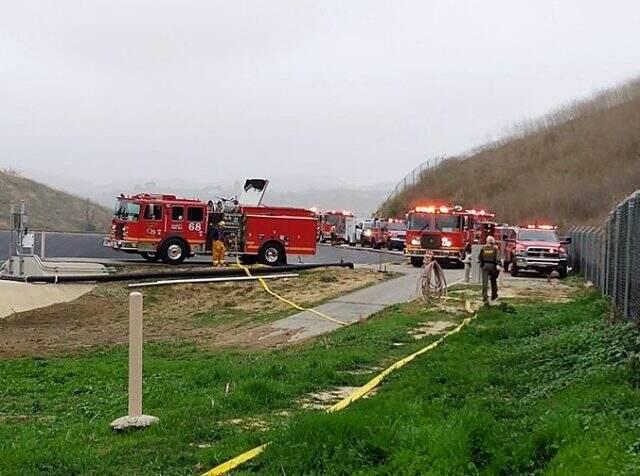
[50, 209]
[570, 167]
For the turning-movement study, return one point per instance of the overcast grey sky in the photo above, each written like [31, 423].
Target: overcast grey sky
[216, 90]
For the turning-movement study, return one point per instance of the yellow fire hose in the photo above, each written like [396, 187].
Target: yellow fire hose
[287, 301]
[356, 394]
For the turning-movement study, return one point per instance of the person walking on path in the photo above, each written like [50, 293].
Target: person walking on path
[218, 249]
[489, 259]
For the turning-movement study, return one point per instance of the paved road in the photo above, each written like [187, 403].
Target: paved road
[89, 245]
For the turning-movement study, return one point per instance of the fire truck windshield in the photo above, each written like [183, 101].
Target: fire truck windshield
[127, 210]
[448, 222]
[335, 219]
[395, 226]
[419, 221]
[538, 235]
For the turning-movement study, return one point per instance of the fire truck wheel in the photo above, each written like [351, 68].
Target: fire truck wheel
[173, 251]
[417, 262]
[152, 257]
[272, 254]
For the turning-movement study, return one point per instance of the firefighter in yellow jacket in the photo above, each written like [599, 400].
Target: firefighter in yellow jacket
[218, 249]
[489, 259]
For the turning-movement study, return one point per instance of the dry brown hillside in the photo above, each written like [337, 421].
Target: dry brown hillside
[50, 209]
[570, 167]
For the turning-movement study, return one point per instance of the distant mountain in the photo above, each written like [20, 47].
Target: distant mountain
[290, 191]
[50, 209]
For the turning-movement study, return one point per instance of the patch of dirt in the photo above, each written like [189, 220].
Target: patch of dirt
[255, 424]
[326, 399]
[431, 328]
[209, 315]
[534, 288]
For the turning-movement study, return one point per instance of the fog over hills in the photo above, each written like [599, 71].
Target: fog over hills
[321, 192]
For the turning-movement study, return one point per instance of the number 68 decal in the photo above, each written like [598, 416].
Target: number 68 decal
[195, 226]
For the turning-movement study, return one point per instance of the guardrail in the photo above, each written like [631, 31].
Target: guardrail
[609, 257]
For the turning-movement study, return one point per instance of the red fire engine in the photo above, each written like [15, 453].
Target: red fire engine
[333, 224]
[375, 234]
[167, 228]
[441, 231]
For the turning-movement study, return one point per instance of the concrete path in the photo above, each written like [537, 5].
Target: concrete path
[354, 306]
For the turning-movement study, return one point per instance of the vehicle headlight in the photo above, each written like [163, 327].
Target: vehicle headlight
[367, 232]
[446, 242]
[521, 252]
[415, 241]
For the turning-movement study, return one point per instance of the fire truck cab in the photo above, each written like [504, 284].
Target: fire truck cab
[337, 226]
[168, 228]
[397, 234]
[442, 232]
[534, 248]
[375, 234]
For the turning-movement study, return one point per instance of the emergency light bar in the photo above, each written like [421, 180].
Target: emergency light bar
[541, 227]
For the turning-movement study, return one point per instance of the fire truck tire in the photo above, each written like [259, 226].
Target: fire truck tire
[173, 251]
[417, 262]
[272, 254]
[152, 257]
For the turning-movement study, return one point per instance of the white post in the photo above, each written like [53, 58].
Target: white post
[43, 244]
[135, 354]
[135, 418]
[476, 271]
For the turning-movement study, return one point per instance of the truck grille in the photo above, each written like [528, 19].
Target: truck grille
[430, 242]
[119, 232]
[541, 252]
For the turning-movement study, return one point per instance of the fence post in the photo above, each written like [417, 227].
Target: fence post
[135, 418]
[616, 253]
[627, 256]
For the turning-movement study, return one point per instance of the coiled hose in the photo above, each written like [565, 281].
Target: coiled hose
[432, 284]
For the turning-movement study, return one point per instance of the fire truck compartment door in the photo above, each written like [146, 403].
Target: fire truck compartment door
[252, 192]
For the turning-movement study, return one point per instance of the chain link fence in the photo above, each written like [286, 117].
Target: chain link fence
[415, 176]
[609, 257]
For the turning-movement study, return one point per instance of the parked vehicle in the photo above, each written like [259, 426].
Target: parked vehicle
[168, 228]
[397, 234]
[375, 234]
[535, 248]
[337, 226]
[441, 231]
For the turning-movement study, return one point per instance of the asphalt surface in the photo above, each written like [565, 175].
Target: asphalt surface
[89, 246]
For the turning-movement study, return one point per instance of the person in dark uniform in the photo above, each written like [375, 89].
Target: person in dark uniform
[489, 259]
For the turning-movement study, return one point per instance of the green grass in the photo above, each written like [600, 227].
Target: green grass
[548, 389]
[55, 412]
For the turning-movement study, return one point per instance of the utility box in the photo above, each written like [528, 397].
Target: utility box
[476, 271]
